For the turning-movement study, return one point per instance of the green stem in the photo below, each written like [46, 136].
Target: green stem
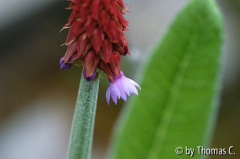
[80, 143]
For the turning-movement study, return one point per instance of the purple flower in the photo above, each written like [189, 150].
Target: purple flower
[64, 65]
[121, 88]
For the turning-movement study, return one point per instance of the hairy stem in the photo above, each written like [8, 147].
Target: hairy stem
[80, 143]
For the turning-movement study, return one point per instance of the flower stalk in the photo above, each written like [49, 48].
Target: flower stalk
[81, 137]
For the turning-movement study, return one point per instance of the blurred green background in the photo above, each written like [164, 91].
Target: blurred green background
[37, 98]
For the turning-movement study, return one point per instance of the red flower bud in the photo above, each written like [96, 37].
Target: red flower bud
[107, 49]
[115, 63]
[83, 44]
[103, 66]
[72, 49]
[97, 39]
[90, 63]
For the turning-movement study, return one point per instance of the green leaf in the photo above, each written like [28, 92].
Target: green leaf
[180, 89]
[80, 144]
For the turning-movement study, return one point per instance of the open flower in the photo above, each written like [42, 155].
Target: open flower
[96, 39]
[121, 88]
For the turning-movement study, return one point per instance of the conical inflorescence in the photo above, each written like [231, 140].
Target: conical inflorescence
[96, 38]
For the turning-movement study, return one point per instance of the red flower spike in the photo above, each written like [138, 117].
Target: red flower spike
[104, 19]
[73, 15]
[113, 9]
[115, 64]
[72, 49]
[97, 39]
[106, 3]
[96, 9]
[107, 49]
[111, 31]
[74, 58]
[123, 41]
[96, 36]
[121, 5]
[84, 12]
[90, 63]
[106, 69]
[82, 44]
[75, 30]
[122, 21]
[90, 26]
[85, 3]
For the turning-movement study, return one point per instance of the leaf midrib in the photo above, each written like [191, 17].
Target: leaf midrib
[171, 100]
